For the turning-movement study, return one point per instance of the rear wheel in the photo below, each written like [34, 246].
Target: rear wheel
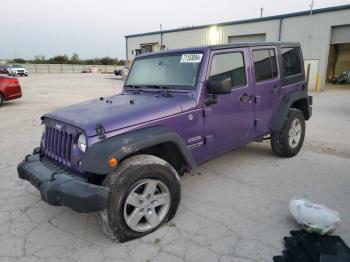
[145, 192]
[288, 141]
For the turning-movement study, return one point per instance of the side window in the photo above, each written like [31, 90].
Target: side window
[291, 61]
[229, 65]
[265, 65]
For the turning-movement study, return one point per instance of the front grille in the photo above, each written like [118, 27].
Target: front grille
[20, 71]
[58, 145]
[53, 166]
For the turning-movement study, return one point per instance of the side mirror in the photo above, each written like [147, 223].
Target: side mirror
[217, 87]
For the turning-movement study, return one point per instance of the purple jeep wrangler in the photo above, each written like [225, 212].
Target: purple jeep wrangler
[122, 155]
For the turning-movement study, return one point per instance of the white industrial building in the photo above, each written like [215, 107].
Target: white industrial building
[324, 35]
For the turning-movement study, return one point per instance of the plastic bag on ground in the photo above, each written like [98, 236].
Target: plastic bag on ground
[313, 217]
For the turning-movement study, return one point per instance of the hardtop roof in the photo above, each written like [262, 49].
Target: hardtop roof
[252, 44]
[219, 47]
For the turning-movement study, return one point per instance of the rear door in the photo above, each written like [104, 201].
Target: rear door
[267, 87]
[227, 123]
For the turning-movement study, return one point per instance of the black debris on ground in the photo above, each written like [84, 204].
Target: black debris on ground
[305, 247]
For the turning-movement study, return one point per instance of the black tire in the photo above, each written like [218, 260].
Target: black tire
[1, 100]
[130, 172]
[280, 140]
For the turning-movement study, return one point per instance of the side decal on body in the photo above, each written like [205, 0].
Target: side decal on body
[194, 139]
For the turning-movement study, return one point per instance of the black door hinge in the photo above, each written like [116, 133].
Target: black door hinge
[256, 124]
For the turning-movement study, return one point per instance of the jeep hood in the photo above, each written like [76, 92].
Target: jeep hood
[122, 111]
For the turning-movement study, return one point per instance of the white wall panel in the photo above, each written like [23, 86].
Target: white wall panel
[312, 31]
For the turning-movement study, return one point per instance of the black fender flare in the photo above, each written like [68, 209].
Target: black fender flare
[286, 104]
[96, 158]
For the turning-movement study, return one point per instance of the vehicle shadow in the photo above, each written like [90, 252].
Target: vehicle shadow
[113, 78]
[8, 104]
[254, 149]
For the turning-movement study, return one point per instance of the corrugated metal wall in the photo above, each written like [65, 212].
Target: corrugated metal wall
[312, 31]
[340, 34]
[134, 43]
[314, 34]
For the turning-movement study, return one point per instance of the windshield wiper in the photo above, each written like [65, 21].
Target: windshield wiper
[159, 87]
[133, 86]
[165, 89]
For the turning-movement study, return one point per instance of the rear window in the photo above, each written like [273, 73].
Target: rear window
[291, 61]
[265, 65]
[229, 66]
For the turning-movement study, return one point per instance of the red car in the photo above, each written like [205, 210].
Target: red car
[9, 89]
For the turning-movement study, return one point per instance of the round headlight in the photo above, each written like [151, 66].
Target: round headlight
[82, 143]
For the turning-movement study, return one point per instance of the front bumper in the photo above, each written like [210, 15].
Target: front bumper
[21, 73]
[60, 188]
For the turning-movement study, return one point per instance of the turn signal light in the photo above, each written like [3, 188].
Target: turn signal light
[113, 162]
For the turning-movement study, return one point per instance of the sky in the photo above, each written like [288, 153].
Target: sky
[96, 28]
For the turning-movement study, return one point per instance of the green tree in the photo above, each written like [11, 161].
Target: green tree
[108, 61]
[89, 62]
[75, 59]
[121, 62]
[39, 59]
[59, 59]
[19, 60]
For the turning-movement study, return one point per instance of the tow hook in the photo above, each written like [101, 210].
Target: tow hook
[36, 150]
[53, 176]
[26, 158]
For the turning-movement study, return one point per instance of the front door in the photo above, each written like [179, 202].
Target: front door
[267, 87]
[227, 123]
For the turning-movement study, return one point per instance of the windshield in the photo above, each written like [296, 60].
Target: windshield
[178, 70]
[16, 66]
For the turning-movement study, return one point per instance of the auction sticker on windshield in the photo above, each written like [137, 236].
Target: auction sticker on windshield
[191, 58]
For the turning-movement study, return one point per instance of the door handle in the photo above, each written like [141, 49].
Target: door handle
[275, 89]
[245, 97]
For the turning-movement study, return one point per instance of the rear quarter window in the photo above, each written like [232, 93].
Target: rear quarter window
[291, 58]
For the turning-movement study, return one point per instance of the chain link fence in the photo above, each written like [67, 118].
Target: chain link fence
[69, 68]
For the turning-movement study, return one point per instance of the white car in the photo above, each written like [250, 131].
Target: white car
[17, 70]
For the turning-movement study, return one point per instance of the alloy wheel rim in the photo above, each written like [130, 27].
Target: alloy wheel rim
[294, 133]
[146, 205]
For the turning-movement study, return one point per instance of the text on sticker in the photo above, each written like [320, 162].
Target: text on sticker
[191, 58]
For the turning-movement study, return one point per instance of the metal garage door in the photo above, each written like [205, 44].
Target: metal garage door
[340, 34]
[343, 59]
[247, 38]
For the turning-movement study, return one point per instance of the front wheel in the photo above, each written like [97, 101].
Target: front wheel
[1, 99]
[288, 141]
[145, 191]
